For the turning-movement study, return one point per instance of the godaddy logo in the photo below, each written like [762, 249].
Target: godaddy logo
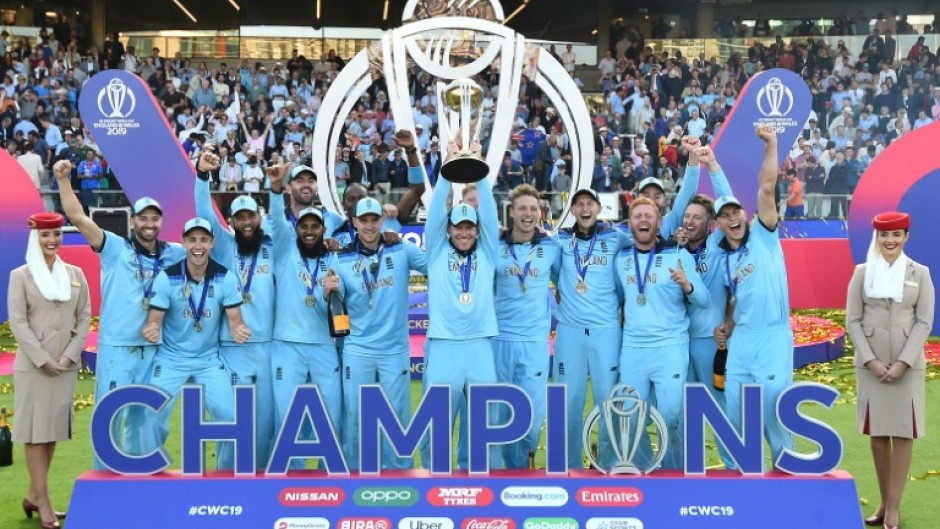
[386, 496]
[550, 523]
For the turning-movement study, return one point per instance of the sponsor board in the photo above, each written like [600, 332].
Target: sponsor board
[613, 523]
[386, 496]
[550, 523]
[302, 523]
[488, 523]
[364, 523]
[460, 496]
[534, 496]
[311, 496]
[609, 496]
[415, 522]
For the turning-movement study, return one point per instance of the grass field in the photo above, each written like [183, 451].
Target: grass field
[920, 509]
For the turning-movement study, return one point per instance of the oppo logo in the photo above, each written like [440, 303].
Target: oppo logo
[386, 496]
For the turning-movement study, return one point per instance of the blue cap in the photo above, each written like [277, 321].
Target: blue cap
[244, 203]
[726, 200]
[651, 180]
[144, 203]
[368, 206]
[197, 223]
[310, 211]
[296, 171]
[463, 213]
[586, 191]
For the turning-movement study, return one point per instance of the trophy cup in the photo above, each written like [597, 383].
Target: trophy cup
[624, 415]
[463, 98]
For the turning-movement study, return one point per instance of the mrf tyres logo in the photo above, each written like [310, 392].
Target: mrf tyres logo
[460, 496]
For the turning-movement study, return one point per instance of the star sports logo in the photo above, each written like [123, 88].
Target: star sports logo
[460, 496]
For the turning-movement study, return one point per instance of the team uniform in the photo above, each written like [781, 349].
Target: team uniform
[655, 354]
[374, 285]
[128, 272]
[760, 349]
[193, 315]
[702, 321]
[250, 362]
[460, 301]
[523, 313]
[588, 335]
[303, 351]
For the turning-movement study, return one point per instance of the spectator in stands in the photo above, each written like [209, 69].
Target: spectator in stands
[815, 177]
[837, 186]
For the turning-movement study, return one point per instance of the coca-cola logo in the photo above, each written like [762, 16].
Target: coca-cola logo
[488, 523]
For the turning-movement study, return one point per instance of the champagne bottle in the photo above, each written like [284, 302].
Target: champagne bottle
[6, 440]
[718, 368]
[337, 316]
[531, 459]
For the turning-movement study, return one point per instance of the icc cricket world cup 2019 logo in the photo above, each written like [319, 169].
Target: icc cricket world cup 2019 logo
[772, 98]
[624, 415]
[115, 100]
[451, 40]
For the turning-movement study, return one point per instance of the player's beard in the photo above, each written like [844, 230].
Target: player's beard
[317, 250]
[250, 245]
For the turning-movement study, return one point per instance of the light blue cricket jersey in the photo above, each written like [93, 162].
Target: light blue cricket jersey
[127, 273]
[173, 291]
[449, 318]
[294, 320]
[673, 220]
[708, 264]
[662, 320]
[379, 329]
[345, 232]
[525, 315]
[259, 312]
[599, 305]
[759, 274]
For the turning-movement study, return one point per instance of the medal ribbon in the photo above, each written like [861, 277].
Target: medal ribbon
[579, 263]
[365, 273]
[197, 312]
[636, 263]
[698, 254]
[148, 287]
[733, 283]
[311, 276]
[528, 262]
[247, 275]
[466, 266]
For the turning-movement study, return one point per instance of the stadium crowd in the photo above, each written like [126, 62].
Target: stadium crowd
[258, 114]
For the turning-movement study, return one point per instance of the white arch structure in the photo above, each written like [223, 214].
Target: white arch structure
[499, 42]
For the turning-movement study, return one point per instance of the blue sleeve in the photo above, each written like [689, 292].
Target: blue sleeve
[391, 225]
[331, 221]
[618, 286]
[689, 187]
[417, 259]
[415, 175]
[161, 292]
[223, 249]
[489, 219]
[332, 263]
[435, 229]
[232, 291]
[720, 184]
[555, 273]
[699, 296]
[624, 236]
[280, 228]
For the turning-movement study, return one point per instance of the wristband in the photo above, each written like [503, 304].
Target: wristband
[411, 150]
[415, 175]
[204, 176]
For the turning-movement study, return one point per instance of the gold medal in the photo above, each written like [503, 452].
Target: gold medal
[309, 300]
[145, 303]
[522, 287]
[466, 298]
[641, 299]
[581, 288]
[198, 326]
[246, 297]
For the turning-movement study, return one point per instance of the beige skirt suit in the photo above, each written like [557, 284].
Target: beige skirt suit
[891, 332]
[45, 330]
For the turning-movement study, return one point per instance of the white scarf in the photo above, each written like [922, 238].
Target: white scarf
[884, 280]
[54, 285]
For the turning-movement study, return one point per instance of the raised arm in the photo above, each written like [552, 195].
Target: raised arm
[73, 207]
[435, 228]
[488, 215]
[280, 228]
[766, 205]
[719, 180]
[412, 197]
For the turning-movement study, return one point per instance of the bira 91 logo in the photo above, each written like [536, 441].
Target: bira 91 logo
[311, 497]
[364, 523]
[460, 496]
[609, 496]
[488, 523]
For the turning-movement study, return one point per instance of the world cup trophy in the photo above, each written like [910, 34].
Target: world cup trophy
[463, 99]
[624, 415]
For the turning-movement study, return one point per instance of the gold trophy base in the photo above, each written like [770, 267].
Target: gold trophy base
[464, 167]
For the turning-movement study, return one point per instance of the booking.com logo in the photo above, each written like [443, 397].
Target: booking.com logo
[534, 496]
[550, 523]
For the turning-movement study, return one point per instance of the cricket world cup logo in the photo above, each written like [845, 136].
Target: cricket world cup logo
[774, 99]
[115, 100]
[624, 415]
